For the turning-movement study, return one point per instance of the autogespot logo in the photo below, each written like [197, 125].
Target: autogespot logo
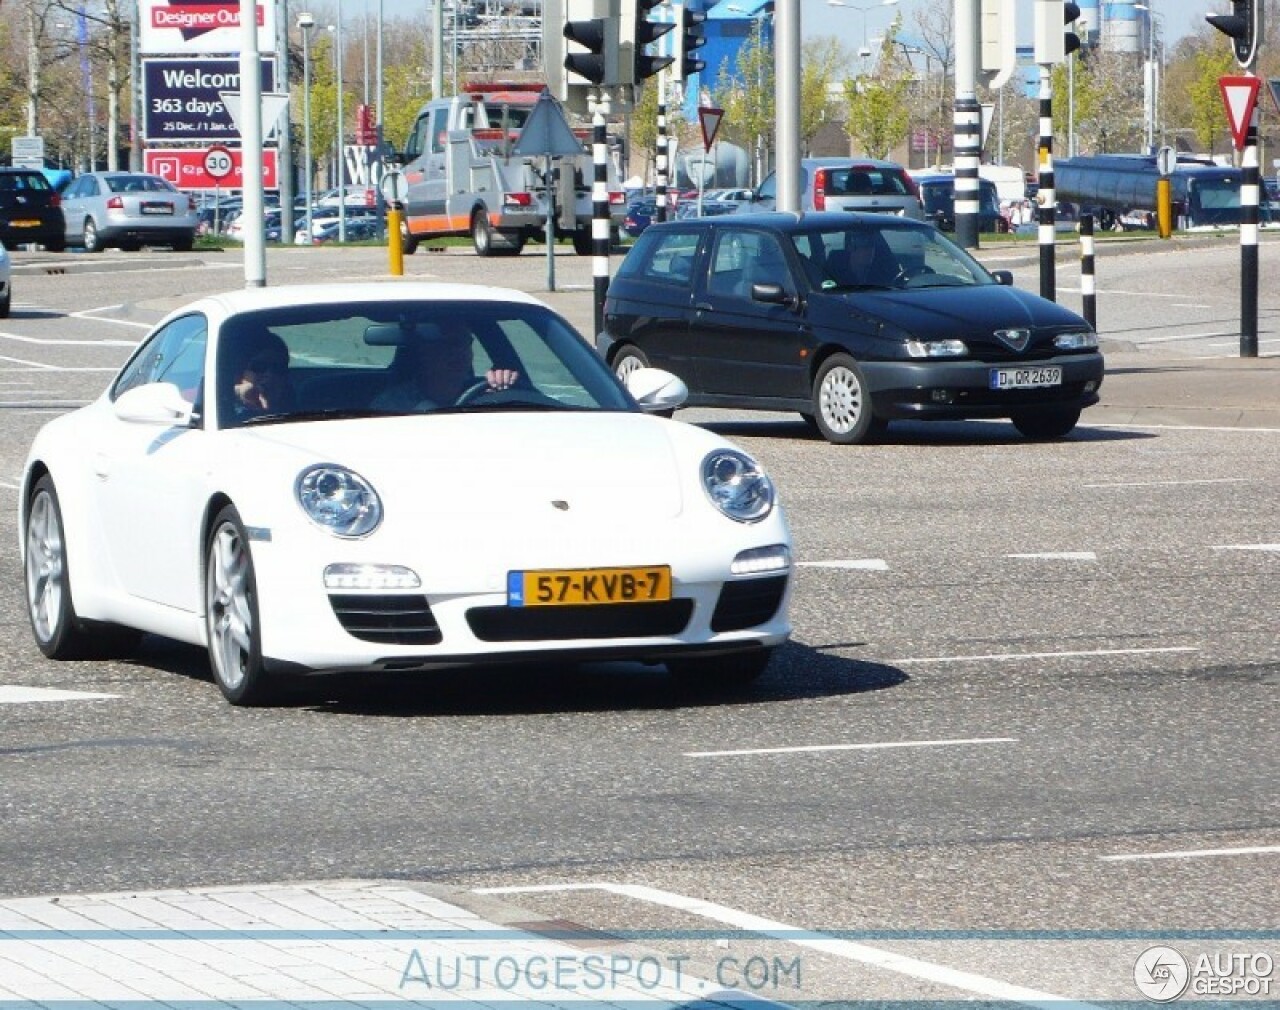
[1161, 974]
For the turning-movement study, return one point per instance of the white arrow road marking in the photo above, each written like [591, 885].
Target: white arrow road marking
[15, 694]
[910, 966]
[850, 746]
[863, 564]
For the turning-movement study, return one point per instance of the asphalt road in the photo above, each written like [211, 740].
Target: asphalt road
[1020, 672]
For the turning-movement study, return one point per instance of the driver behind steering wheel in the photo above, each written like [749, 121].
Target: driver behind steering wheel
[436, 368]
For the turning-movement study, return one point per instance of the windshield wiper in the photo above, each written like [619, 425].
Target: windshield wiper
[331, 414]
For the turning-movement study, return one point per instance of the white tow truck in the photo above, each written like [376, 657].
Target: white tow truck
[464, 178]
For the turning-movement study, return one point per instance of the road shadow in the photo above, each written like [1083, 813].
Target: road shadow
[797, 671]
[985, 433]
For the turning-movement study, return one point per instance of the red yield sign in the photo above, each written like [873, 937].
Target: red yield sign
[1240, 96]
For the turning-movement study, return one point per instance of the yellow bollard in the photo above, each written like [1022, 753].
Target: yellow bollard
[1164, 207]
[395, 250]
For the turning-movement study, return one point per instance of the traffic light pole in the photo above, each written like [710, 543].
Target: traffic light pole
[1244, 26]
[1249, 186]
[967, 124]
[1045, 196]
[661, 154]
[600, 221]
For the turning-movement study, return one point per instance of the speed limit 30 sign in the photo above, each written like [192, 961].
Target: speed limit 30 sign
[218, 162]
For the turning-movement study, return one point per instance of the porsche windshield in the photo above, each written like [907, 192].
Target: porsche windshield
[319, 361]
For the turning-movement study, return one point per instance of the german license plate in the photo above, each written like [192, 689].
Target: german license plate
[1026, 378]
[578, 586]
[24, 223]
[157, 208]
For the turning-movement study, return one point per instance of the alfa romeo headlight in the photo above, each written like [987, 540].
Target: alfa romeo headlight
[338, 500]
[737, 486]
[1080, 341]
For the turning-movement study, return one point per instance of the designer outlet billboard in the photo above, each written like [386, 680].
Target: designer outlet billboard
[200, 26]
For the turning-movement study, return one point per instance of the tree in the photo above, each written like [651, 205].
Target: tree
[746, 93]
[879, 117]
[822, 60]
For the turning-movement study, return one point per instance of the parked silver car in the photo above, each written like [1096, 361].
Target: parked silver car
[866, 184]
[129, 210]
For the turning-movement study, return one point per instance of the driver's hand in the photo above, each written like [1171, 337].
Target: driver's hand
[501, 378]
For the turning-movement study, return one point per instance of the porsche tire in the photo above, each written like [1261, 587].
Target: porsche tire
[231, 613]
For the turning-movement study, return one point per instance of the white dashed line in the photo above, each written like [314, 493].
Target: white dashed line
[1057, 556]
[889, 745]
[863, 564]
[1246, 547]
[1249, 850]
[68, 343]
[912, 967]
[1010, 656]
[1171, 483]
[14, 694]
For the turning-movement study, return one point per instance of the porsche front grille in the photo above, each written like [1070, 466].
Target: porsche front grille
[395, 619]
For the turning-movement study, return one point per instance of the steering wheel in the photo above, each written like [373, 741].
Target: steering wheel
[472, 393]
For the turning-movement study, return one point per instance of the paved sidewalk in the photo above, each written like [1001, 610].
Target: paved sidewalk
[317, 945]
[1148, 390]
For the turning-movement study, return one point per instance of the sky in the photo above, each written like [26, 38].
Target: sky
[1181, 17]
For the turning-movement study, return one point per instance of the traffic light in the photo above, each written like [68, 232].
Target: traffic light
[689, 37]
[1053, 44]
[637, 32]
[1244, 25]
[599, 36]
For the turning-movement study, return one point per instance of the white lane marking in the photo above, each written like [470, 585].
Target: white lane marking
[1248, 850]
[1043, 655]
[1136, 426]
[68, 343]
[93, 315]
[1058, 556]
[864, 564]
[10, 487]
[912, 967]
[43, 367]
[14, 694]
[1172, 483]
[1246, 547]
[851, 746]
[1178, 337]
[1236, 344]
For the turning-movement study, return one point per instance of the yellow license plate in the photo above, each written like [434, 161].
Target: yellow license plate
[578, 586]
[24, 223]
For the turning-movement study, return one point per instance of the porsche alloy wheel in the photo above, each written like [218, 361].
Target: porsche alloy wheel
[53, 616]
[231, 613]
[842, 406]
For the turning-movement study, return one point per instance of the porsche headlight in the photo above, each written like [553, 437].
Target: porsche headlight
[737, 486]
[338, 500]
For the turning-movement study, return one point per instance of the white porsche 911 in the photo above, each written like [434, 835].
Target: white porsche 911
[401, 477]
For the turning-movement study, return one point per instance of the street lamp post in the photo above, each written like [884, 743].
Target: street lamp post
[305, 23]
[759, 18]
[862, 9]
[1150, 78]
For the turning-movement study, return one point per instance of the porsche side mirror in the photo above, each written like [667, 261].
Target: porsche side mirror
[656, 390]
[154, 403]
